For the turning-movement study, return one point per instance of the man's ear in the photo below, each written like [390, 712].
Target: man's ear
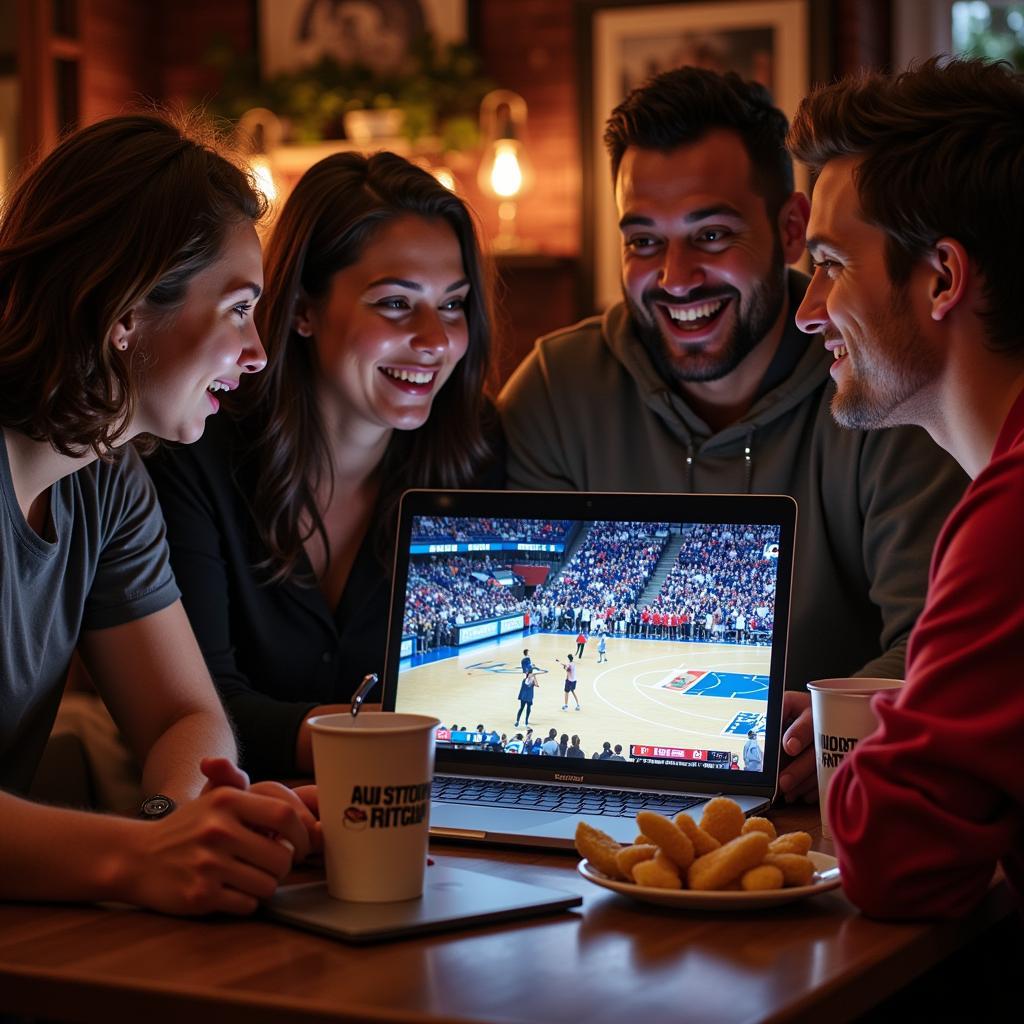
[949, 274]
[123, 333]
[793, 217]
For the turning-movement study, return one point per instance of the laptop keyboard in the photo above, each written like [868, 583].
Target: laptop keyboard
[613, 803]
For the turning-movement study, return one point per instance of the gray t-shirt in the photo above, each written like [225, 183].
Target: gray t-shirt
[105, 564]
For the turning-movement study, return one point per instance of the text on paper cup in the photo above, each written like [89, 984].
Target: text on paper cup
[387, 806]
[835, 748]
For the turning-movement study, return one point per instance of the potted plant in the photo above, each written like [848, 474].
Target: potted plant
[435, 92]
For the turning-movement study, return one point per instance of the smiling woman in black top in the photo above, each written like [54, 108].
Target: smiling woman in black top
[281, 522]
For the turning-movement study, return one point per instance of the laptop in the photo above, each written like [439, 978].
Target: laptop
[589, 655]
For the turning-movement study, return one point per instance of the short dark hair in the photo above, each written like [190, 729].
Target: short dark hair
[125, 211]
[942, 148]
[681, 106]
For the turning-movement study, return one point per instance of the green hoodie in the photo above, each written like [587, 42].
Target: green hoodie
[587, 410]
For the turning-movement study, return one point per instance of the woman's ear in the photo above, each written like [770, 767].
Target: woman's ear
[123, 331]
[302, 321]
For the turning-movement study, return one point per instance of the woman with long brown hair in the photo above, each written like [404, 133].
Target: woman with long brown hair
[377, 330]
[129, 268]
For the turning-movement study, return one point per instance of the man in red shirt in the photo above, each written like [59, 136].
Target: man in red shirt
[915, 228]
[581, 641]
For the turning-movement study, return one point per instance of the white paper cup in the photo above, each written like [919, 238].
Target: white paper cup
[841, 710]
[373, 776]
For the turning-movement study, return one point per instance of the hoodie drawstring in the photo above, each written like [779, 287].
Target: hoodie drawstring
[748, 463]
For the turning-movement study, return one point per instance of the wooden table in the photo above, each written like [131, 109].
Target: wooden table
[611, 960]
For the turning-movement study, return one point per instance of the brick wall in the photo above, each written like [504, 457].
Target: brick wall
[186, 30]
[862, 32]
[134, 50]
[529, 46]
[119, 48]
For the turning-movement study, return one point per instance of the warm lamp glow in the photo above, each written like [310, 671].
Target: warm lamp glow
[506, 172]
[261, 132]
[260, 167]
[445, 177]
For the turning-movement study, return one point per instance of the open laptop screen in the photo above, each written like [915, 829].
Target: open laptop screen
[639, 635]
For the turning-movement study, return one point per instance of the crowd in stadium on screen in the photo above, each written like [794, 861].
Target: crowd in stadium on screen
[611, 567]
[720, 587]
[443, 595]
[448, 528]
[722, 584]
[540, 742]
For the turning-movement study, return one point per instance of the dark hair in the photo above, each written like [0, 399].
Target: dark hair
[124, 212]
[943, 156]
[333, 212]
[681, 106]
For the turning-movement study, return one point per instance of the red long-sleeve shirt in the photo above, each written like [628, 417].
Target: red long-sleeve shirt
[926, 806]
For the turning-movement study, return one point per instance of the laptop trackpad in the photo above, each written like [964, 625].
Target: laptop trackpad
[510, 821]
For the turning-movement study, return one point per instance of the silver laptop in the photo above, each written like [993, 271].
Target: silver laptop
[590, 655]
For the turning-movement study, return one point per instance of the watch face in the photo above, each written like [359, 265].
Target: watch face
[157, 806]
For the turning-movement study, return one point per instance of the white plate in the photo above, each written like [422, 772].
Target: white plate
[826, 877]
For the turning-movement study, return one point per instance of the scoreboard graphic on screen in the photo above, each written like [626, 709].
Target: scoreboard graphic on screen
[688, 757]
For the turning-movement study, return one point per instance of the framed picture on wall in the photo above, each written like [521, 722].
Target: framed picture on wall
[623, 44]
[376, 33]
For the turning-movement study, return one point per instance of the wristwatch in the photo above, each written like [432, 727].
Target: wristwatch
[156, 806]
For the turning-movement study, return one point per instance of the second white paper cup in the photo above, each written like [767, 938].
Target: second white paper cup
[373, 776]
[841, 710]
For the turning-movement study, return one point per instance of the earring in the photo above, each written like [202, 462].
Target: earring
[123, 344]
[303, 331]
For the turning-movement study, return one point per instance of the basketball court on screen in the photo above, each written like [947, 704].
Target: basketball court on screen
[652, 692]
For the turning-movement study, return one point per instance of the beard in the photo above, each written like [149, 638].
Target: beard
[752, 324]
[884, 388]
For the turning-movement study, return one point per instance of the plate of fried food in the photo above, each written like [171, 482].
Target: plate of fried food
[724, 862]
